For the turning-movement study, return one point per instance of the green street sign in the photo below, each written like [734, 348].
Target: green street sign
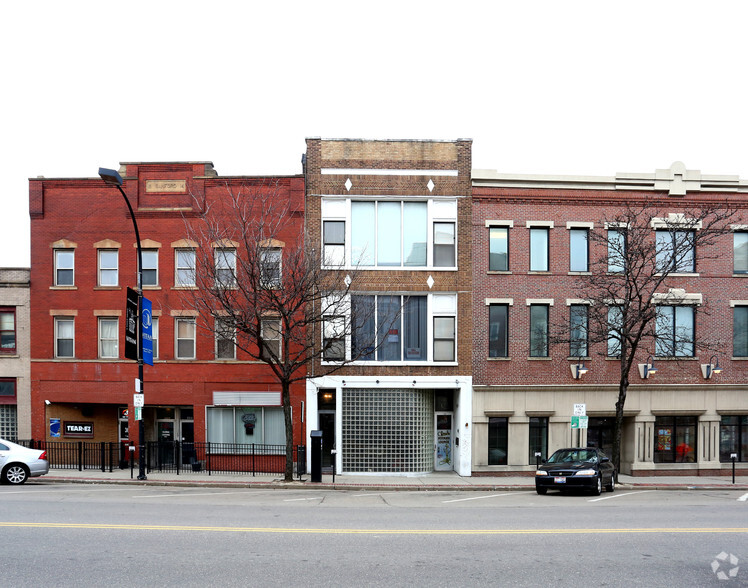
[580, 422]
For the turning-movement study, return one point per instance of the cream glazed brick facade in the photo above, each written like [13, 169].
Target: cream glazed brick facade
[15, 366]
[527, 229]
[398, 212]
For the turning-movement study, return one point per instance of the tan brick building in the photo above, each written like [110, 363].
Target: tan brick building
[398, 215]
[15, 367]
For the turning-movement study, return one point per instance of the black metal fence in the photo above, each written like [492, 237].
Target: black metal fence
[174, 457]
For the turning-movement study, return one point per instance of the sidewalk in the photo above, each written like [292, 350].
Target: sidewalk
[445, 481]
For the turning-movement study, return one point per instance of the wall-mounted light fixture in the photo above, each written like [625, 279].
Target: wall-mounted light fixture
[578, 369]
[647, 369]
[708, 369]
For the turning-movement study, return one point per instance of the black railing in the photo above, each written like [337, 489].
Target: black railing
[174, 457]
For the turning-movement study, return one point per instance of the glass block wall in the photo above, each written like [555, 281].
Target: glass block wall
[389, 430]
[8, 423]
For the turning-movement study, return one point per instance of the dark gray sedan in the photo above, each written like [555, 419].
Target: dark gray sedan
[576, 468]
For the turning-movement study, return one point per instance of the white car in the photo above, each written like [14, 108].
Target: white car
[18, 463]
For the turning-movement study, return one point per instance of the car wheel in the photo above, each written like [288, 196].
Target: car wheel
[541, 491]
[598, 486]
[15, 474]
[612, 486]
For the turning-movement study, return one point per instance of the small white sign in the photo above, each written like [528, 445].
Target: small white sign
[580, 409]
[138, 400]
[137, 385]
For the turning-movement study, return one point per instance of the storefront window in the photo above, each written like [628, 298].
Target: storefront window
[246, 425]
[733, 438]
[498, 436]
[675, 439]
[538, 438]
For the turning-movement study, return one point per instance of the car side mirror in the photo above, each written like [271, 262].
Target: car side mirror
[604, 459]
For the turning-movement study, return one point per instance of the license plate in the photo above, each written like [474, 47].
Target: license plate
[560, 479]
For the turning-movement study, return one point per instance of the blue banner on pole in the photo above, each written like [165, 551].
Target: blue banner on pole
[146, 331]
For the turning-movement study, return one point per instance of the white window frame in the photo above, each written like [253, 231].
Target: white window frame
[58, 268]
[225, 263]
[222, 329]
[177, 338]
[115, 340]
[114, 270]
[147, 268]
[192, 270]
[438, 210]
[58, 320]
[154, 335]
[267, 265]
[265, 328]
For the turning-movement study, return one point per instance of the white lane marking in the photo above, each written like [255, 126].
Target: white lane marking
[481, 497]
[67, 490]
[375, 494]
[187, 494]
[299, 499]
[743, 498]
[618, 495]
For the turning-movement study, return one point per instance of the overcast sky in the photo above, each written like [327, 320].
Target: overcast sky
[589, 88]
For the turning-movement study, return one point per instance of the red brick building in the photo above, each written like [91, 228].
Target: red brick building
[83, 257]
[530, 248]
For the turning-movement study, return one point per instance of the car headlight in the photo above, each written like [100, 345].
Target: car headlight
[541, 473]
[586, 473]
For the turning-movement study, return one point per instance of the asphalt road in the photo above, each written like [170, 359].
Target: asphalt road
[165, 536]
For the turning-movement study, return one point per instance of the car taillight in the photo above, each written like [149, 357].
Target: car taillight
[43, 455]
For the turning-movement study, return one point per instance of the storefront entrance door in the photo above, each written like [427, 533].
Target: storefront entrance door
[443, 459]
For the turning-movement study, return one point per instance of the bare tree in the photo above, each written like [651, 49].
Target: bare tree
[633, 301]
[262, 288]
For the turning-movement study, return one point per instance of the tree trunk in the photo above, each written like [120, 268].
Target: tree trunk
[286, 399]
[618, 430]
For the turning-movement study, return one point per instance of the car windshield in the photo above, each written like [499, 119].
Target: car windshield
[573, 455]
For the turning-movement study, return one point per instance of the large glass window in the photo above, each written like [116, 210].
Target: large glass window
[538, 438]
[498, 330]
[578, 318]
[498, 440]
[185, 335]
[225, 260]
[674, 330]
[675, 251]
[578, 250]
[498, 249]
[108, 267]
[616, 250]
[539, 249]
[389, 229]
[539, 330]
[108, 338]
[184, 268]
[733, 437]
[740, 252]
[675, 439]
[740, 331]
[150, 267]
[262, 425]
[7, 387]
[444, 245]
[64, 337]
[64, 267]
[415, 233]
[7, 330]
[334, 331]
[444, 338]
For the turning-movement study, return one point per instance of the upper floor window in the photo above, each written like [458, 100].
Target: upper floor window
[539, 252]
[7, 330]
[270, 333]
[150, 267]
[578, 324]
[740, 331]
[64, 267]
[7, 388]
[498, 330]
[616, 250]
[184, 268]
[675, 251]
[225, 339]
[397, 328]
[333, 344]
[270, 267]
[674, 331]
[154, 336]
[108, 267]
[615, 330]
[64, 337]
[498, 249]
[225, 272]
[578, 250]
[538, 330]
[740, 252]
[185, 338]
[389, 233]
[108, 338]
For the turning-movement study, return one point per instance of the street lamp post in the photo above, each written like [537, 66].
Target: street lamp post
[112, 178]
